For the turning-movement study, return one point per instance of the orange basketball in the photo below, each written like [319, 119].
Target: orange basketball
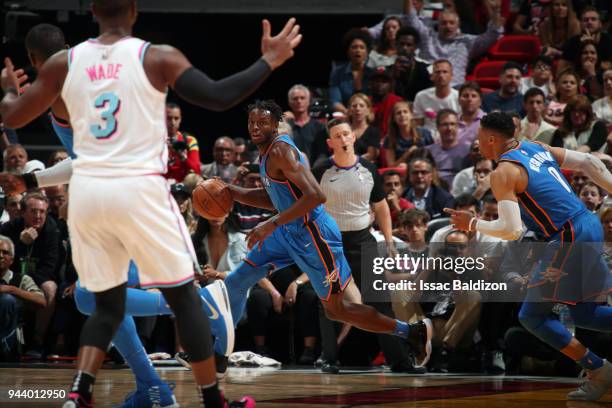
[212, 199]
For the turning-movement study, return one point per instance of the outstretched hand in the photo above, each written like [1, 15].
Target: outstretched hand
[12, 184]
[278, 49]
[459, 219]
[12, 78]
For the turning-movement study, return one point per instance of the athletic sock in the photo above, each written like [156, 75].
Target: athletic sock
[82, 384]
[210, 396]
[401, 329]
[591, 361]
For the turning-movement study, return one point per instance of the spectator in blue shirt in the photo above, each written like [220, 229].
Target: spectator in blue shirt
[507, 98]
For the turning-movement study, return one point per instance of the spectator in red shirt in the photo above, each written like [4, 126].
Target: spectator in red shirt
[382, 98]
[393, 186]
[183, 150]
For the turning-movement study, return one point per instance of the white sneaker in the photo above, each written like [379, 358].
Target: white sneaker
[597, 383]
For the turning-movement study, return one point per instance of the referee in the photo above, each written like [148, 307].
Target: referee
[352, 186]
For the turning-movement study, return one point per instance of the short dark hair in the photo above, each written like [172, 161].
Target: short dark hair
[172, 105]
[588, 9]
[390, 173]
[413, 216]
[473, 85]
[45, 40]
[239, 141]
[253, 168]
[489, 199]
[357, 34]
[443, 113]
[500, 122]
[465, 200]
[531, 92]
[545, 59]
[336, 122]
[406, 31]
[512, 65]
[267, 105]
[112, 8]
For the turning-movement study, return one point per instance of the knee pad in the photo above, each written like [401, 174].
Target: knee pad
[104, 321]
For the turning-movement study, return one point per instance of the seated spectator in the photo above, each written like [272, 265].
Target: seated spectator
[393, 187]
[353, 76]
[578, 179]
[183, 150]
[568, 86]
[533, 125]
[382, 98]
[541, 77]
[287, 287]
[589, 68]
[248, 217]
[360, 117]
[603, 107]
[449, 43]
[464, 181]
[56, 156]
[428, 102]
[16, 290]
[12, 207]
[591, 29]
[470, 100]
[479, 182]
[223, 164]
[182, 196]
[241, 152]
[15, 158]
[448, 154]
[560, 25]
[592, 196]
[36, 240]
[490, 210]
[508, 97]
[308, 134]
[410, 75]
[423, 193]
[530, 15]
[385, 52]
[403, 137]
[580, 129]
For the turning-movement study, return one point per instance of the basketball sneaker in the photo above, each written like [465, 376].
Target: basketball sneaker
[156, 396]
[219, 312]
[419, 340]
[220, 362]
[597, 383]
[75, 400]
[245, 402]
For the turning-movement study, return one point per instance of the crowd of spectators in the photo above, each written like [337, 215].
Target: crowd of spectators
[414, 117]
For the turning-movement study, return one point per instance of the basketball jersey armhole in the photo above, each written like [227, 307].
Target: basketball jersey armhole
[279, 140]
[517, 162]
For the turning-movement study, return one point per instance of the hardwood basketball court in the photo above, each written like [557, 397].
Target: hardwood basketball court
[289, 388]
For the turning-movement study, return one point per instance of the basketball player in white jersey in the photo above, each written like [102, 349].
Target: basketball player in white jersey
[114, 88]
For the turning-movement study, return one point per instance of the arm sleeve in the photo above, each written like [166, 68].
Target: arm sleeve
[56, 175]
[508, 226]
[377, 194]
[196, 87]
[592, 166]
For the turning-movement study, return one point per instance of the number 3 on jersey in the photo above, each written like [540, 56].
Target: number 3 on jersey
[111, 104]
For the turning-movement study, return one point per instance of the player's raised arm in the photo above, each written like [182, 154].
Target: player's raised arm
[17, 111]
[196, 87]
[509, 225]
[591, 165]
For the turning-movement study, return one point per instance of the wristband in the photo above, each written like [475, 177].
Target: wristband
[30, 180]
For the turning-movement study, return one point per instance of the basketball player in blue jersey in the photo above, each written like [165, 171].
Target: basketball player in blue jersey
[303, 233]
[134, 152]
[42, 41]
[529, 187]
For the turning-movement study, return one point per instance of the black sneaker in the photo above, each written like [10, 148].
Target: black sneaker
[221, 365]
[183, 359]
[419, 340]
[330, 367]
[308, 357]
[407, 368]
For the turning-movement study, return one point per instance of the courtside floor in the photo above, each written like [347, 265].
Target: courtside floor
[303, 388]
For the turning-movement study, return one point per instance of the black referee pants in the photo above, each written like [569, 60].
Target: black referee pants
[354, 243]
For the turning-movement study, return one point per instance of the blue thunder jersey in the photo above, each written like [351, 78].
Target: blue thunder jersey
[284, 193]
[64, 133]
[548, 202]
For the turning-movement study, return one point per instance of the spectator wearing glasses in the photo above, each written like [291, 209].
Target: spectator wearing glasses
[541, 78]
[423, 193]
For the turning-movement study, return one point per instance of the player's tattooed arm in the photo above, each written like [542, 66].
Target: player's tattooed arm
[17, 109]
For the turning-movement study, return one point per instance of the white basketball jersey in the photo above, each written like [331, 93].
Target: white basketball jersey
[117, 116]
